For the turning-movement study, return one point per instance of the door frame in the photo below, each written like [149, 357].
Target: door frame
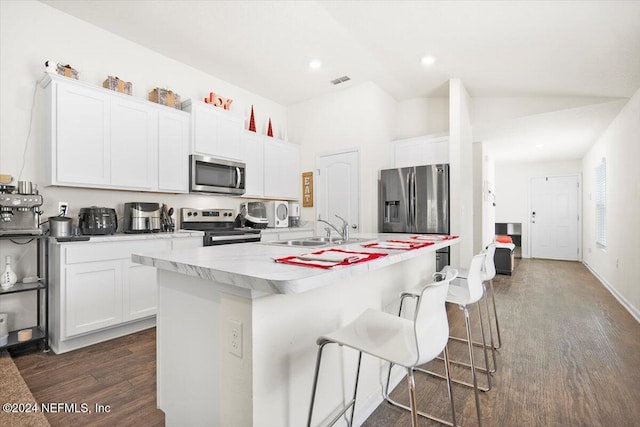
[579, 209]
[316, 188]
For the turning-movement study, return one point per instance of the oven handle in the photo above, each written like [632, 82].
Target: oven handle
[235, 237]
[239, 175]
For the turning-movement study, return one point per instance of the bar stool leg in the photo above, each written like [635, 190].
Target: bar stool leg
[315, 382]
[449, 390]
[484, 347]
[355, 390]
[495, 314]
[493, 346]
[412, 397]
[473, 369]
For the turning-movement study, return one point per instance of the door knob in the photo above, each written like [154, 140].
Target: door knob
[354, 226]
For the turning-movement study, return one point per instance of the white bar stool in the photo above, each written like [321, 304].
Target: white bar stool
[404, 342]
[488, 273]
[462, 292]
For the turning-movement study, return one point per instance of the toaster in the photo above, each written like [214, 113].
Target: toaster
[141, 217]
[97, 221]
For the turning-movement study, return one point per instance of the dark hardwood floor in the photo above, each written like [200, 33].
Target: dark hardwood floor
[570, 357]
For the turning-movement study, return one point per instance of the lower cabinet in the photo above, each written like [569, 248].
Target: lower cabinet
[98, 293]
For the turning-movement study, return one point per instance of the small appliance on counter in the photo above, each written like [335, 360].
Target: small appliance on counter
[97, 221]
[20, 209]
[278, 214]
[141, 217]
[294, 214]
[254, 215]
[60, 226]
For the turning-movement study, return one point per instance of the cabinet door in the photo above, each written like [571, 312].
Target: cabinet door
[92, 296]
[81, 136]
[427, 150]
[187, 243]
[205, 129]
[281, 169]
[134, 136]
[229, 135]
[216, 132]
[140, 291]
[254, 160]
[173, 142]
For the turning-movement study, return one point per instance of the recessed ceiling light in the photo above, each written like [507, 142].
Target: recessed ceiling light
[428, 60]
[314, 64]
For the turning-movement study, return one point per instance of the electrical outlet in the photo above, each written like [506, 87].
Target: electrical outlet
[63, 208]
[234, 329]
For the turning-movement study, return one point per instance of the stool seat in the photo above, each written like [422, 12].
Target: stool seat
[387, 337]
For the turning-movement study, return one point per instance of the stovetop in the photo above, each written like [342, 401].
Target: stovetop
[213, 222]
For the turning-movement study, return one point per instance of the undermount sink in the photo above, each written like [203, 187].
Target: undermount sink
[317, 242]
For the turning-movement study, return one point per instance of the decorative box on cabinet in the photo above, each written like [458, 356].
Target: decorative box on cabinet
[214, 131]
[39, 331]
[98, 138]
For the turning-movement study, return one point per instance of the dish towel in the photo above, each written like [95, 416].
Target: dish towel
[330, 258]
[404, 245]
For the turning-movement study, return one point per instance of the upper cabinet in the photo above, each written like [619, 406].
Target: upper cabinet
[103, 139]
[424, 150]
[272, 167]
[215, 132]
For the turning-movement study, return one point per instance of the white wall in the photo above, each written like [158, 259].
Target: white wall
[359, 117]
[421, 116]
[32, 32]
[616, 265]
[512, 181]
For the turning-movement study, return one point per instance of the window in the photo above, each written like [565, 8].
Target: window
[601, 204]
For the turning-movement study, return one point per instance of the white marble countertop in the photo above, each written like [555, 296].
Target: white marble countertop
[121, 237]
[251, 265]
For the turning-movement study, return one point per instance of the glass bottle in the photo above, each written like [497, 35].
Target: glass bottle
[9, 277]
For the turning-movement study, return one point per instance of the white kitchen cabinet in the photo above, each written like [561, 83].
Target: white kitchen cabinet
[215, 132]
[141, 288]
[254, 161]
[80, 127]
[134, 144]
[94, 296]
[98, 293]
[98, 138]
[173, 143]
[281, 169]
[424, 150]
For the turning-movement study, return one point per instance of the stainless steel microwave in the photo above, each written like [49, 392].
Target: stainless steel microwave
[211, 175]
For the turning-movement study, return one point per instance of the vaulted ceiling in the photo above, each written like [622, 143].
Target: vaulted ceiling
[585, 49]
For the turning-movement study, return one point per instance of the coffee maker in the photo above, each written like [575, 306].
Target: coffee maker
[19, 210]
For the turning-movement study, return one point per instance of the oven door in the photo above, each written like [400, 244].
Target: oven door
[211, 175]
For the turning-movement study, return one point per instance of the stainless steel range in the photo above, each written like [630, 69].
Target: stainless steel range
[218, 226]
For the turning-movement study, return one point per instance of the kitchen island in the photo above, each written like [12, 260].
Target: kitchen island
[236, 330]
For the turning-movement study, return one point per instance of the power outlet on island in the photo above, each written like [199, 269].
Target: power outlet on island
[234, 331]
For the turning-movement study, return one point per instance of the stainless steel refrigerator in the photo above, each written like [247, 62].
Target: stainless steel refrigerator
[416, 200]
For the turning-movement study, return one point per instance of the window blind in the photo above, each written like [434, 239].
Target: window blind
[601, 203]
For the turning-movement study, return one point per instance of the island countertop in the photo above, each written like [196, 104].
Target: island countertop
[251, 266]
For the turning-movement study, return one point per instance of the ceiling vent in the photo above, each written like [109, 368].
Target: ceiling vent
[340, 80]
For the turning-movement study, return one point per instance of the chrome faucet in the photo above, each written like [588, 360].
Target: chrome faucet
[344, 233]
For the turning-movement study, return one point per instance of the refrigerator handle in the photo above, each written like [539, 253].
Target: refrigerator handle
[414, 220]
[408, 200]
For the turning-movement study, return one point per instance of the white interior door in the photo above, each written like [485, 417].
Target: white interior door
[555, 223]
[338, 189]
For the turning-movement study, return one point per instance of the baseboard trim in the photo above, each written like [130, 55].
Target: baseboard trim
[621, 299]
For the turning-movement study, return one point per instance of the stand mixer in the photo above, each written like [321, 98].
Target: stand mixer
[19, 211]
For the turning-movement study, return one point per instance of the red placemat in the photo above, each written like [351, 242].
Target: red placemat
[400, 245]
[350, 257]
